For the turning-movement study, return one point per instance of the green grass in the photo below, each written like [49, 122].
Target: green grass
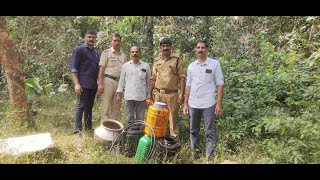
[55, 115]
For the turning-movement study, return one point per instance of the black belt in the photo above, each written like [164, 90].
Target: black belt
[112, 77]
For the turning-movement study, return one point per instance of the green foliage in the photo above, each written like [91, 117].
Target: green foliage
[33, 87]
[123, 25]
[270, 102]
[270, 64]
[45, 44]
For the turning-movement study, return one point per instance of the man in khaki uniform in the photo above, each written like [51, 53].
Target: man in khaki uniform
[111, 62]
[167, 73]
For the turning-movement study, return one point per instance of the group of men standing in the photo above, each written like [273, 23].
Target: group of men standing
[111, 75]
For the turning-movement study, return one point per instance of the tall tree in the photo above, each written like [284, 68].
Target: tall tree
[149, 37]
[14, 75]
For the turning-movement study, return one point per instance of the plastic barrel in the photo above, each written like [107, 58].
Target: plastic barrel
[157, 118]
[132, 137]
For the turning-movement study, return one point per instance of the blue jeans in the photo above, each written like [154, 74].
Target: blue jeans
[210, 129]
[84, 106]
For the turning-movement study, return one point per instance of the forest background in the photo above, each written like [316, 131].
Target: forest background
[271, 67]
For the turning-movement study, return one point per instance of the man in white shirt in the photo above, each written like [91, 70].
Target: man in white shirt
[204, 76]
[135, 79]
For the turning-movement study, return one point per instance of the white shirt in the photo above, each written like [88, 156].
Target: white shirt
[134, 80]
[203, 80]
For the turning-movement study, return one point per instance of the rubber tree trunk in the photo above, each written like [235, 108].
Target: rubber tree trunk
[149, 38]
[15, 78]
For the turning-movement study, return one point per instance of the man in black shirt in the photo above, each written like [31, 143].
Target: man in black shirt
[85, 68]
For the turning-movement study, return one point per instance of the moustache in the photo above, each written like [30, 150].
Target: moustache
[200, 52]
[135, 55]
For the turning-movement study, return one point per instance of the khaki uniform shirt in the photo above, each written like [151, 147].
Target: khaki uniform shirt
[166, 74]
[112, 62]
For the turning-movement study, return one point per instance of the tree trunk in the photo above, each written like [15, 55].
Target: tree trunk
[14, 75]
[206, 31]
[149, 38]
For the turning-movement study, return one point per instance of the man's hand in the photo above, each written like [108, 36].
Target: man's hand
[100, 89]
[149, 97]
[218, 110]
[185, 109]
[118, 98]
[180, 99]
[78, 89]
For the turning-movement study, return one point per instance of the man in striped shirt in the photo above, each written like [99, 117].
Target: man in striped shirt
[134, 81]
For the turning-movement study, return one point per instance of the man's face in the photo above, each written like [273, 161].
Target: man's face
[166, 49]
[135, 53]
[201, 50]
[115, 42]
[90, 39]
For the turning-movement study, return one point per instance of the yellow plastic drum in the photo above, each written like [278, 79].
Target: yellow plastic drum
[157, 118]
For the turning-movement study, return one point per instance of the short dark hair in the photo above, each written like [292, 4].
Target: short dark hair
[203, 41]
[91, 32]
[115, 35]
[134, 46]
[165, 40]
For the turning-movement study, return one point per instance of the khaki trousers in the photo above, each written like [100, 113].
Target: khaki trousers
[109, 108]
[173, 106]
